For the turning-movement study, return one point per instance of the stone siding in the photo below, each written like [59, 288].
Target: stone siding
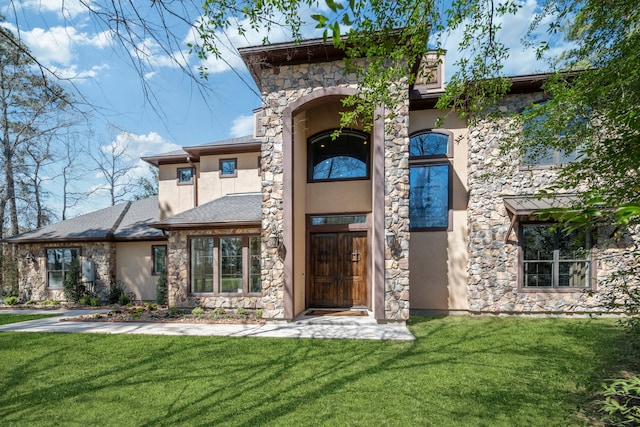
[493, 262]
[178, 273]
[396, 208]
[33, 274]
[282, 87]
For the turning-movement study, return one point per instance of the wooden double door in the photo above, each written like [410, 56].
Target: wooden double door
[338, 270]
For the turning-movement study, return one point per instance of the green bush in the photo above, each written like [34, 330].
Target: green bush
[622, 401]
[219, 311]
[175, 312]
[95, 302]
[197, 311]
[115, 292]
[162, 289]
[74, 289]
[85, 299]
[259, 313]
[124, 299]
[11, 300]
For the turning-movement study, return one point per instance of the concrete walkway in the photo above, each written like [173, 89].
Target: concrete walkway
[343, 327]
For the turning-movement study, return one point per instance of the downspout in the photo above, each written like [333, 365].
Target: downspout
[196, 171]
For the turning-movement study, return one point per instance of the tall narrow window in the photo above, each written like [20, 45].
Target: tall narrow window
[201, 264]
[59, 264]
[159, 259]
[341, 158]
[430, 180]
[255, 269]
[231, 264]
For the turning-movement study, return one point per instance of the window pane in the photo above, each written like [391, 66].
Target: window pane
[345, 157]
[338, 219]
[574, 274]
[202, 265]
[228, 166]
[159, 259]
[58, 264]
[429, 144]
[538, 274]
[538, 242]
[231, 264]
[185, 175]
[255, 270]
[429, 196]
[55, 279]
[573, 246]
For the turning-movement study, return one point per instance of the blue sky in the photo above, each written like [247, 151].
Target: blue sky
[62, 35]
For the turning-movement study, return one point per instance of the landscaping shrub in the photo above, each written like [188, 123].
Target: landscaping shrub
[74, 289]
[124, 299]
[115, 292]
[85, 299]
[12, 300]
[197, 311]
[622, 401]
[95, 302]
[162, 290]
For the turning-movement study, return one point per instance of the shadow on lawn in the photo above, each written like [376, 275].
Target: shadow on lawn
[490, 371]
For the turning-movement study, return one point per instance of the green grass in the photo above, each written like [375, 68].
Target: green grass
[460, 371]
[16, 318]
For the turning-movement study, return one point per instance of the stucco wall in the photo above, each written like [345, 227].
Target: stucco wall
[212, 185]
[439, 259]
[174, 198]
[134, 267]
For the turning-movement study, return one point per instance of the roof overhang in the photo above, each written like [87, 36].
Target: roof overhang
[202, 150]
[205, 225]
[529, 206]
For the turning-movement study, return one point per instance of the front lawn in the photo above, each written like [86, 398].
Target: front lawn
[460, 371]
[5, 319]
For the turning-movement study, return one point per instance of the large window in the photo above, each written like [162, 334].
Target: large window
[553, 259]
[226, 264]
[430, 180]
[159, 259]
[535, 130]
[59, 264]
[341, 158]
[202, 264]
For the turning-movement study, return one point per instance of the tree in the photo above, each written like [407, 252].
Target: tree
[113, 163]
[32, 111]
[147, 187]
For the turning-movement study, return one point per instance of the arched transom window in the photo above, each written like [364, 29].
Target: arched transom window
[341, 158]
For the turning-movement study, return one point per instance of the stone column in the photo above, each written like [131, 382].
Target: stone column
[396, 207]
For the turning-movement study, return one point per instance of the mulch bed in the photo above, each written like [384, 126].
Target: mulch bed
[166, 315]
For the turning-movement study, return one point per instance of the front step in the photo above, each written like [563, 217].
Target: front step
[335, 317]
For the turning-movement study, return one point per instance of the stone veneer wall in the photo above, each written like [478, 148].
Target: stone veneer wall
[178, 273]
[283, 86]
[493, 263]
[396, 208]
[33, 275]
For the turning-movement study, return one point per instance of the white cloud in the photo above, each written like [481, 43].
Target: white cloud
[521, 60]
[58, 45]
[242, 126]
[63, 8]
[230, 40]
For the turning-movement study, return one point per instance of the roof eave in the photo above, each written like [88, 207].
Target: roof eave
[207, 225]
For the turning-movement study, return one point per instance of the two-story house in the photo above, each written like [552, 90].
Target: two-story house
[404, 217]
